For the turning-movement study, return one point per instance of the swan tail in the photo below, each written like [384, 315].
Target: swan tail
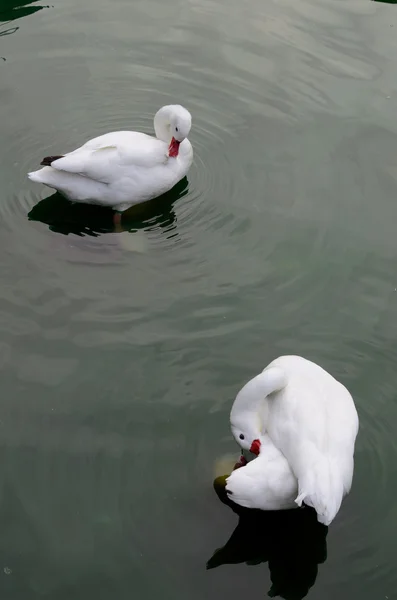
[238, 490]
[54, 178]
[46, 175]
[321, 487]
[36, 176]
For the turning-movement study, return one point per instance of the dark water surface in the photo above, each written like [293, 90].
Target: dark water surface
[121, 352]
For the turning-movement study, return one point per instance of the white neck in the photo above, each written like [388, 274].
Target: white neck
[251, 397]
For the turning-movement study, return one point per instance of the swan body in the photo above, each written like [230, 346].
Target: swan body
[124, 168]
[311, 419]
[265, 483]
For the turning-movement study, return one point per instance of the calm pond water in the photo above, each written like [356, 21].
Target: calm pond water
[121, 352]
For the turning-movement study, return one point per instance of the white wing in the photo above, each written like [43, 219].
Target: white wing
[106, 157]
[314, 422]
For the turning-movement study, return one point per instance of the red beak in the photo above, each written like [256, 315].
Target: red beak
[173, 148]
[255, 447]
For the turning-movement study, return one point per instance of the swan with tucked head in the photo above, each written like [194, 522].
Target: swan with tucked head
[310, 420]
[172, 124]
[124, 168]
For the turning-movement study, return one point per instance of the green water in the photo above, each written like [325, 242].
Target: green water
[121, 352]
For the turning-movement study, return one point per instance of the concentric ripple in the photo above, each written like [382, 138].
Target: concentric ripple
[122, 348]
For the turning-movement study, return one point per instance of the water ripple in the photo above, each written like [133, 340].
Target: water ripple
[122, 349]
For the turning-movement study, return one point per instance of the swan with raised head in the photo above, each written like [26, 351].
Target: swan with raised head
[124, 168]
[297, 409]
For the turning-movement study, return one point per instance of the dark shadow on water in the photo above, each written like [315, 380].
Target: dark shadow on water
[15, 9]
[66, 217]
[292, 542]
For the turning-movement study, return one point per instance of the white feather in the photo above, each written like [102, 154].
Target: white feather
[265, 483]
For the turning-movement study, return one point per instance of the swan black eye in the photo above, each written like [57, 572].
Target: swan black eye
[241, 436]
[176, 129]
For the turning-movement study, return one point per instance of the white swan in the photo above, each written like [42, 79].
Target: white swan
[124, 168]
[311, 420]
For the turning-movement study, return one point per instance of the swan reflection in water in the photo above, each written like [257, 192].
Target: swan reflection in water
[16, 9]
[10, 10]
[63, 216]
[293, 542]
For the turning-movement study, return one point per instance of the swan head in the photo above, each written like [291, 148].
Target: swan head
[245, 423]
[248, 415]
[249, 412]
[180, 123]
[247, 436]
[172, 125]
